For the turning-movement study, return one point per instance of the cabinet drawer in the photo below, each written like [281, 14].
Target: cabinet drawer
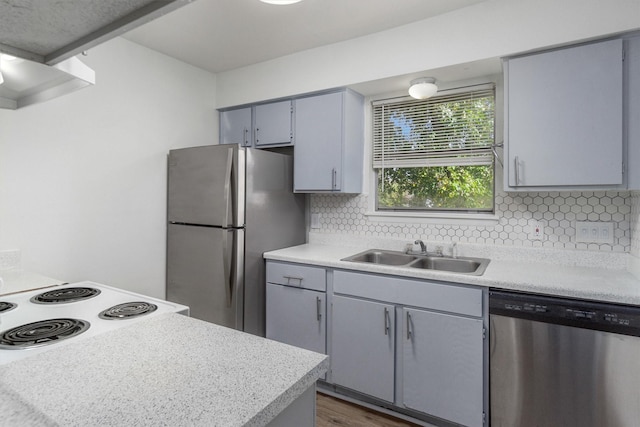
[410, 292]
[301, 276]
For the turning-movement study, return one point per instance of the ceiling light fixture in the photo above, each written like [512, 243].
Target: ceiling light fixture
[280, 2]
[423, 88]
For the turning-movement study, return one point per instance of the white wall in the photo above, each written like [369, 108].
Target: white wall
[83, 177]
[487, 30]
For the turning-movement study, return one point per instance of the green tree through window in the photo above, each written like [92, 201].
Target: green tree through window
[435, 154]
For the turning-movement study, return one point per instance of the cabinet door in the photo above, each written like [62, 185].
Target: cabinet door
[297, 316]
[442, 371]
[235, 127]
[362, 352]
[564, 117]
[273, 124]
[319, 133]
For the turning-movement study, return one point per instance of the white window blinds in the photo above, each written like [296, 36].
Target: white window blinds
[454, 128]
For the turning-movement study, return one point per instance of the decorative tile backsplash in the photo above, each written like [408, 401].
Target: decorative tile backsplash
[635, 224]
[556, 211]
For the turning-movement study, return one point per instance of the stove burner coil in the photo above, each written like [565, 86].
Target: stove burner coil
[41, 333]
[6, 306]
[128, 310]
[61, 296]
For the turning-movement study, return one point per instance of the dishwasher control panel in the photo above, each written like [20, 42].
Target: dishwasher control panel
[617, 318]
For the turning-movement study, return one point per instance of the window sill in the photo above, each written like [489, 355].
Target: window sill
[434, 218]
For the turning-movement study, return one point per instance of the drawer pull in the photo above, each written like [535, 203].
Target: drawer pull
[290, 278]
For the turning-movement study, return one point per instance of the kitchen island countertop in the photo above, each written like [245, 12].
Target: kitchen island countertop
[175, 371]
[592, 283]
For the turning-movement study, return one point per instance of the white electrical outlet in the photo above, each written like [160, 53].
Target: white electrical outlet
[315, 220]
[536, 231]
[9, 259]
[594, 232]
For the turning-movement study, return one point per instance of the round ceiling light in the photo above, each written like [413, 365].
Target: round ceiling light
[280, 2]
[423, 88]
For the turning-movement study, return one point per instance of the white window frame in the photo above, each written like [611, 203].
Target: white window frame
[435, 217]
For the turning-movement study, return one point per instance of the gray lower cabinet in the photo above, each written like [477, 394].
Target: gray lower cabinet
[363, 343]
[432, 360]
[296, 305]
[415, 345]
[296, 316]
[442, 365]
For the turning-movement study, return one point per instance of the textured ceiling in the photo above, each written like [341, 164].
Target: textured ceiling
[50, 31]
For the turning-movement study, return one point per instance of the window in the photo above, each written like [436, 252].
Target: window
[436, 154]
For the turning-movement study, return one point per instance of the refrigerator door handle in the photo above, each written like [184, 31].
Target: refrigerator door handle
[226, 266]
[227, 187]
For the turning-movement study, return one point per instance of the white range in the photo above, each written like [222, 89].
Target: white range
[36, 321]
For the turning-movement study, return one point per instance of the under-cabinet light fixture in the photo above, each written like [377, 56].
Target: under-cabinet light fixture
[280, 2]
[423, 88]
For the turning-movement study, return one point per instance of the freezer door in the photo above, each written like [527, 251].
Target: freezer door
[204, 272]
[206, 185]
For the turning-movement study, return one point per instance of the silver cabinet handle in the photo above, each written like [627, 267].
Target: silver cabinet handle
[290, 278]
[256, 135]
[516, 163]
[246, 137]
[387, 321]
[319, 308]
[334, 178]
[409, 332]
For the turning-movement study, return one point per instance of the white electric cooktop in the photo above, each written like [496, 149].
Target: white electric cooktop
[36, 321]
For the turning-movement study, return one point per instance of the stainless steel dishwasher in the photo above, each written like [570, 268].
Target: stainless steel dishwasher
[560, 362]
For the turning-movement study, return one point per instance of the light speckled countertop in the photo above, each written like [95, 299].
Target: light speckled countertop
[551, 278]
[178, 371]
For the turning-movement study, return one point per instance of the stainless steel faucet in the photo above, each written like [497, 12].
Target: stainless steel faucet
[423, 247]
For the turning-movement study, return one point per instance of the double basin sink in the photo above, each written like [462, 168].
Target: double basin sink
[460, 265]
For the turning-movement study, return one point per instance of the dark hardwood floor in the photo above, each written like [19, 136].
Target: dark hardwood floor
[331, 411]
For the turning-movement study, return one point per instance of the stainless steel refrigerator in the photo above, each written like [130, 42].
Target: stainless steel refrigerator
[227, 205]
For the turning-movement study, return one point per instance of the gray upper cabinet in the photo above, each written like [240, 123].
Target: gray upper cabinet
[236, 127]
[273, 124]
[564, 118]
[632, 111]
[261, 125]
[329, 134]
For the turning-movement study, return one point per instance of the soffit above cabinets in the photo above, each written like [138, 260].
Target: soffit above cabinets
[45, 36]
[49, 32]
